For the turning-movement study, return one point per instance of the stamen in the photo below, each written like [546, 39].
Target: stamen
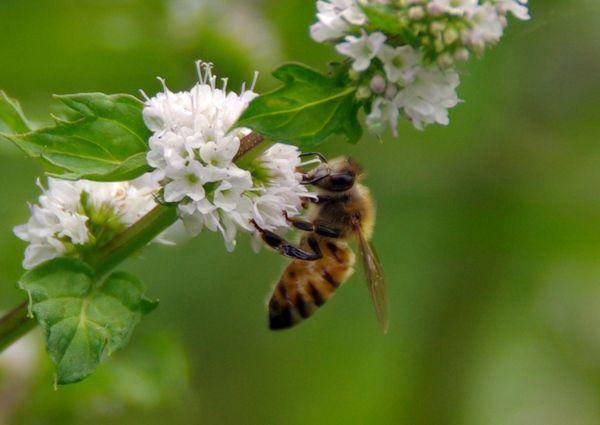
[207, 72]
[144, 95]
[198, 64]
[224, 80]
[167, 92]
[164, 84]
[254, 79]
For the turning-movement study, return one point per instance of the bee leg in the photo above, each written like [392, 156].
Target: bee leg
[319, 229]
[287, 249]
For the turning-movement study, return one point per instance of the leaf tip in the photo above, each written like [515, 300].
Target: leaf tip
[148, 306]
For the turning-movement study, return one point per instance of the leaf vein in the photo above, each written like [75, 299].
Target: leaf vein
[301, 107]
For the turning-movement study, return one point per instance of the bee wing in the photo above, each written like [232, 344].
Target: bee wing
[375, 280]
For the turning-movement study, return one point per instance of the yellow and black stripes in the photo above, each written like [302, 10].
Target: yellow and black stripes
[307, 285]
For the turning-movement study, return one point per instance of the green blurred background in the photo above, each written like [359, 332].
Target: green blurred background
[488, 230]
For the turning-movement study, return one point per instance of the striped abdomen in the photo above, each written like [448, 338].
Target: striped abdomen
[306, 285]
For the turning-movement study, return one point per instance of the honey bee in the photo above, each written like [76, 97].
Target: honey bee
[344, 210]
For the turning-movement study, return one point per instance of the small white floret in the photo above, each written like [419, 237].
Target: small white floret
[362, 49]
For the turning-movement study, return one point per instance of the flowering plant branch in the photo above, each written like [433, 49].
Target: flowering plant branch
[103, 260]
[400, 62]
[122, 171]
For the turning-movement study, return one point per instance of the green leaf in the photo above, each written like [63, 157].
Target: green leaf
[308, 108]
[129, 169]
[384, 18]
[396, 25]
[12, 119]
[105, 143]
[82, 318]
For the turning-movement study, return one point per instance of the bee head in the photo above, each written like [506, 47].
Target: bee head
[338, 175]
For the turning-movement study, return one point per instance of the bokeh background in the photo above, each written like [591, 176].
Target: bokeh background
[488, 230]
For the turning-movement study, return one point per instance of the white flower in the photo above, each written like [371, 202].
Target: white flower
[400, 63]
[362, 49]
[220, 153]
[193, 149]
[167, 110]
[282, 192]
[517, 7]
[487, 26]
[450, 7]
[62, 220]
[187, 181]
[334, 19]
[384, 112]
[412, 74]
[429, 97]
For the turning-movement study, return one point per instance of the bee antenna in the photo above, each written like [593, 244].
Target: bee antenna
[318, 154]
[313, 180]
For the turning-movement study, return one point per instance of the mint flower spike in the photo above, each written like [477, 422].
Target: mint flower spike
[72, 218]
[192, 151]
[404, 52]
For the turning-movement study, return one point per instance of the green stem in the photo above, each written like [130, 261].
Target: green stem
[16, 323]
[133, 239]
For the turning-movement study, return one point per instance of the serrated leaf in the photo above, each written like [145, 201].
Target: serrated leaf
[308, 108]
[12, 119]
[81, 318]
[129, 169]
[105, 143]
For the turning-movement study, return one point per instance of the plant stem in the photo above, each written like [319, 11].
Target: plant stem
[16, 323]
[133, 239]
[248, 143]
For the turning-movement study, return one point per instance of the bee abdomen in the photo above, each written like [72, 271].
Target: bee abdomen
[307, 285]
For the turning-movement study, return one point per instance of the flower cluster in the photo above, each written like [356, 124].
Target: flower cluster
[73, 217]
[404, 52]
[193, 149]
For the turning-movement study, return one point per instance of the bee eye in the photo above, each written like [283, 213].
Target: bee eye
[340, 182]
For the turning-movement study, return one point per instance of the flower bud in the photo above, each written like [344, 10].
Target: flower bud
[478, 46]
[354, 75]
[363, 93]
[439, 45]
[434, 9]
[437, 27]
[391, 91]
[378, 84]
[450, 35]
[445, 60]
[416, 13]
[461, 55]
